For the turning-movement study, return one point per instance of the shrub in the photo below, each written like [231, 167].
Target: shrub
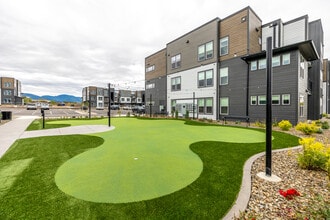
[260, 124]
[315, 155]
[285, 125]
[307, 128]
[325, 125]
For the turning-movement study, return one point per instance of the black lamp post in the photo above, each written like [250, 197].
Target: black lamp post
[109, 105]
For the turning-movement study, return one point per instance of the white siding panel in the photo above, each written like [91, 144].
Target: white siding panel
[266, 32]
[294, 32]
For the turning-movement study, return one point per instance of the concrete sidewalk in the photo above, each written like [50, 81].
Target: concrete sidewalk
[15, 129]
[12, 130]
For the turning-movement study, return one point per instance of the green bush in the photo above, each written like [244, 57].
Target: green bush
[325, 125]
[285, 125]
[315, 155]
[307, 128]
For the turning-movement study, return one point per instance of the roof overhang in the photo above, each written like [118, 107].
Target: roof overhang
[306, 48]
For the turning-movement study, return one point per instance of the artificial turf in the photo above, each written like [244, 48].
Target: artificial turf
[33, 194]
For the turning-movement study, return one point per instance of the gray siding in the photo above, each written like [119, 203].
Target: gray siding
[284, 82]
[236, 88]
[158, 95]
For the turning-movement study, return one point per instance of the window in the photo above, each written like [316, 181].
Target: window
[286, 59]
[301, 105]
[201, 106]
[150, 86]
[286, 99]
[302, 67]
[253, 100]
[276, 61]
[205, 78]
[176, 61]
[173, 104]
[224, 76]
[7, 84]
[205, 106]
[209, 105]
[275, 99]
[7, 100]
[6, 92]
[122, 99]
[150, 68]
[100, 98]
[262, 64]
[223, 46]
[224, 106]
[128, 99]
[262, 100]
[176, 83]
[253, 65]
[205, 51]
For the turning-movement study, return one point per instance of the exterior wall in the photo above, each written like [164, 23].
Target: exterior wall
[157, 95]
[155, 84]
[275, 31]
[236, 28]
[254, 23]
[189, 85]
[10, 90]
[236, 89]
[158, 60]
[188, 44]
[315, 75]
[295, 31]
[302, 89]
[284, 82]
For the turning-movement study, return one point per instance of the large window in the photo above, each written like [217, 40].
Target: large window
[205, 78]
[176, 61]
[262, 64]
[224, 46]
[205, 106]
[224, 76]
[176, 83]
[150, 86]
[286, 99]
[224, 106]
[205, 51]
[286, 59]
[6, 92]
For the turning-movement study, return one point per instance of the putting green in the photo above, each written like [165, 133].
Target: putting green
[142, 160]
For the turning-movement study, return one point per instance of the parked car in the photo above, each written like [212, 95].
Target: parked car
[44, 106]
[114, 107]
[138, 109]
[31, 106]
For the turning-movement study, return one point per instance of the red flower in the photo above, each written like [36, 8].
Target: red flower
[289, 194]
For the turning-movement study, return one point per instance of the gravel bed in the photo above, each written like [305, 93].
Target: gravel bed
[314, 188]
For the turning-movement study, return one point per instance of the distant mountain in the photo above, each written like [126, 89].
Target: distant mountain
[58, 98]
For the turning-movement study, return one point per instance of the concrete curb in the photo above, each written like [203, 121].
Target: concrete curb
[245, 190]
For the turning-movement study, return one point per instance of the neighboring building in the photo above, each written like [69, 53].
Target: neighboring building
[10, 91]
[219, 70]
[99, 97]
[326, 86]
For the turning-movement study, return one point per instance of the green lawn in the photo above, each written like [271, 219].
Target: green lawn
[150, 169]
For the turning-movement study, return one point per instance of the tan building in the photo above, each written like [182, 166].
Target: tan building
[10, 91]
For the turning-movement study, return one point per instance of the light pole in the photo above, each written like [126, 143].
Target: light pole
[109, 105]
[269, 108]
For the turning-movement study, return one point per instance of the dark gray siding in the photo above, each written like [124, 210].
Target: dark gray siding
[315, 34]
[236, 89]
[284, 81]
[158, 95]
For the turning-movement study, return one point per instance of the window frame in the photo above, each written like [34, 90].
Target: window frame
[205, 52]
[205, 79]
[150, 68]
[253, 98]
[176, 87]
[256, 65]
[283, 99]
[226, 106]
[220, 73]
[286, 61]
[262, 64]
[276, 63]
[279, 99]
[224, 39]
[203, 107]
[177, 61]
[262, 98]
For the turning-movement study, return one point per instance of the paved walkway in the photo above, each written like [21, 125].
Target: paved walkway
[15, 129]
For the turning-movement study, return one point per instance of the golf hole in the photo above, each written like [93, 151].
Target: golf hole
[136, 158]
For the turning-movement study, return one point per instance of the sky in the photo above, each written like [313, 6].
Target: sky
[61, 46]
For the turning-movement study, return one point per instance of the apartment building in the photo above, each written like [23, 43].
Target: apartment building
[219, 70]
[10, 91]
[99, 97]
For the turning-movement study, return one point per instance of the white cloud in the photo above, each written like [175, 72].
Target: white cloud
[61, 46]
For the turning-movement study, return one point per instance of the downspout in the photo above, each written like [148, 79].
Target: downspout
[218, 73]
